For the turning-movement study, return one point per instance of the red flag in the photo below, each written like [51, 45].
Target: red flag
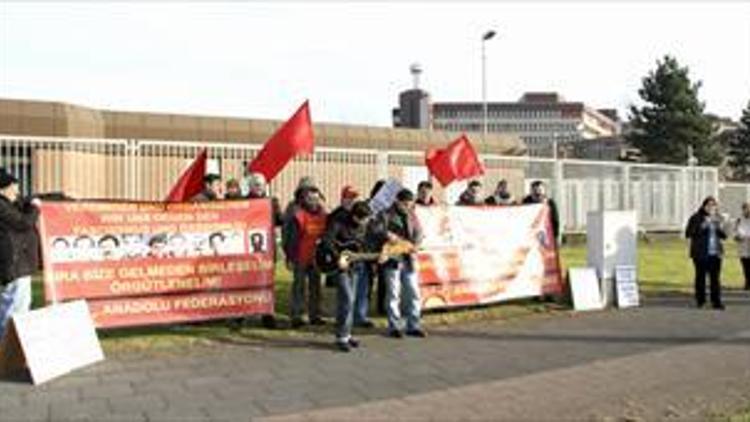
[191, 181]
[457, 161]
[292, 138]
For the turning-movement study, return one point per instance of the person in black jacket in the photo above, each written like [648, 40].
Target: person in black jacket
[349, 231]
[258, 189]
[348, 197]
[705, 231]
[211, 189]
[501, 196]
[375, 276]
[19, 245]
[424, 194]
[472, 195]
[402, 284]
[538, 195]
[232, 189]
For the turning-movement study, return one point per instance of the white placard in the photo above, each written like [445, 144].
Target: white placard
[626, 280]
[52, 341]
[584, 287]
[386, 196]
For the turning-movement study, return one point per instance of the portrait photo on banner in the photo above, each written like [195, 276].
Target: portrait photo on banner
[129, 246]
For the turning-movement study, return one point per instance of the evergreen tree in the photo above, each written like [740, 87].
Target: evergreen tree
[739, 148]
[672, 118]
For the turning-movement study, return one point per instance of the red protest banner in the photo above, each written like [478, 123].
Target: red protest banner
[180, 307]
[478, 255]
[148, 277]
[149, 252]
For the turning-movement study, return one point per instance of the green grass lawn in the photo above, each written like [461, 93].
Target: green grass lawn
[663, 267]
[741, 416]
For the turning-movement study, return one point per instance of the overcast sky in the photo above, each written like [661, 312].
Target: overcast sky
[351, 59]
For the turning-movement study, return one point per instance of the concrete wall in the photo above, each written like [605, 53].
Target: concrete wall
[42, 118]
[100, 170]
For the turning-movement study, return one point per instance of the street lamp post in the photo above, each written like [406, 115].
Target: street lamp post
[485, 37]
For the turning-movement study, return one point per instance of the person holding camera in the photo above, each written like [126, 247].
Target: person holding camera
[19, 245]
[705, 231]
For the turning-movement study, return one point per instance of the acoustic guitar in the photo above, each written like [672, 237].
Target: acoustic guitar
[330, 258]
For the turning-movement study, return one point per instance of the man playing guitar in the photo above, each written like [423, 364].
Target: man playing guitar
[348, 233]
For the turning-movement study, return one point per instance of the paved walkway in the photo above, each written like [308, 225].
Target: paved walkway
[664, 360]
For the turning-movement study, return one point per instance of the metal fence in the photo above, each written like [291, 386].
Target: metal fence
[733, 195]
[663, 195]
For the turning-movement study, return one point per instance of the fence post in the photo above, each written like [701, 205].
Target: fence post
[131, 163]
[314, 163]
[626, 187]
[687, 189]
[382, 164]
[715, 174]
[559, 195]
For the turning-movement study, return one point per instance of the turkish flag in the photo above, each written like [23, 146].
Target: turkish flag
[191, 181]
[457, 161]
[294, 137]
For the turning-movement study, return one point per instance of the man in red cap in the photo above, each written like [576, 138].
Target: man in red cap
[348, 196]
[340, 216]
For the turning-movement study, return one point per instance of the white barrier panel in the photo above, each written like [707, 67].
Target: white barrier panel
[50, 342]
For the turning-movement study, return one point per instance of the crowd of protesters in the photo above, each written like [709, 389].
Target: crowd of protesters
[306, 223]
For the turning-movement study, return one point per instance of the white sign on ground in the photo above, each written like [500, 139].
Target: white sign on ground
[626, 280]
[51, 341]
[584, 287]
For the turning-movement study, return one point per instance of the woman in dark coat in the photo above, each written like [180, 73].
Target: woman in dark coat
[705, 231]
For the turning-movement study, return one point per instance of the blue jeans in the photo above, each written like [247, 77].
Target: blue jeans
[14, 299]
[303, 275]
[402, 285]
[362, 293]
[348, 286]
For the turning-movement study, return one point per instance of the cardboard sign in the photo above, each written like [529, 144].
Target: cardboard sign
[584, 287]
[626, 280]
[50, 342]
[386, 196]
